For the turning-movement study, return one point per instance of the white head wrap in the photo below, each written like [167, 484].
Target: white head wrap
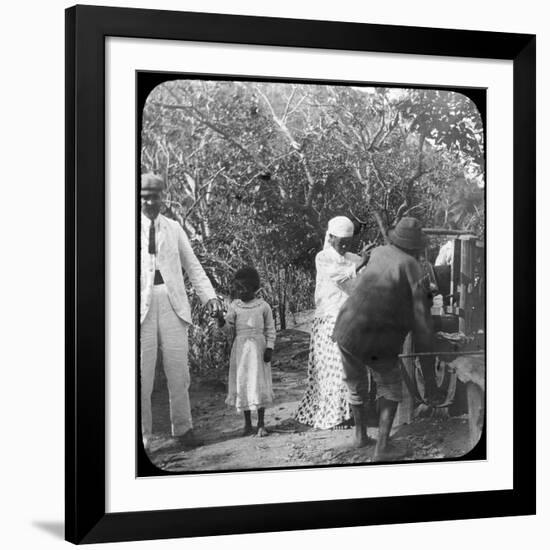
[340, 226]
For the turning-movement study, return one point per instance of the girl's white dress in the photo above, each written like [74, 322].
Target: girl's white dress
[251, 323]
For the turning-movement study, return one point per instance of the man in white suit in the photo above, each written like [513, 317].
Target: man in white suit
[165, 313]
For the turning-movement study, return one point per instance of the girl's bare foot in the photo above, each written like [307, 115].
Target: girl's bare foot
[248, 430]
[262, 432]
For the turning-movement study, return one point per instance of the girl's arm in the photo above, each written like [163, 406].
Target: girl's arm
[269, 333]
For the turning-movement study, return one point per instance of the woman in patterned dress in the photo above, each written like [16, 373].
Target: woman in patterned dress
[325, 404]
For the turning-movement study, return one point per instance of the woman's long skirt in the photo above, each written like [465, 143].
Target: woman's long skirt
[325, 403]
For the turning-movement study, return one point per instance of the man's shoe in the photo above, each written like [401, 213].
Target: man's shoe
[188, 440]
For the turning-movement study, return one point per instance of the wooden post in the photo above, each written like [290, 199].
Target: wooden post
[476, 409]
[455, 276]
[467, 242]
[470, 370]
[405, 409]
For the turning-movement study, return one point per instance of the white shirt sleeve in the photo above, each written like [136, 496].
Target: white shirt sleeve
[193, 268]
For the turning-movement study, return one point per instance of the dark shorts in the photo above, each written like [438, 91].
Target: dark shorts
[385, 372]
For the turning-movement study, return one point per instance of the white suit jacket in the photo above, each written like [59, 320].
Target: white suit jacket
[174, 252]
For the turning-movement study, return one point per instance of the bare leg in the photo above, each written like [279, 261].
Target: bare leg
[361, 439]
[148, 360]
[262, 432]
[247, 423]
[384, 450]
[355, 377]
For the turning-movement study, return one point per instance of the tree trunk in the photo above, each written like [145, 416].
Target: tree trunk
[282, 314]
[282, 304]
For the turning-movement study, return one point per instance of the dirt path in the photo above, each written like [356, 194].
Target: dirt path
[289, 443]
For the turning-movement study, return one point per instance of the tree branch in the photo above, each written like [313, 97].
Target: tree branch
[294, 109]
[267, 166]
[381, 226]
[390, 129]
[148, 155]
[203, 189]
[219, 130]
[418, 172]
[379, 132]
[290, 98]
[377, 172]
[295, 145]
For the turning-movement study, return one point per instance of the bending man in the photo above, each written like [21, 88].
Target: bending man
[391, 298]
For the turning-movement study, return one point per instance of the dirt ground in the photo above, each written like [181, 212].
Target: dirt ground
[289, 444]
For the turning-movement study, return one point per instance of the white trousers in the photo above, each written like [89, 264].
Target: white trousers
[163, 329]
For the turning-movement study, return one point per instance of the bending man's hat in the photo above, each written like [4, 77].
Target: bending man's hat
[152, 182]
[408, 234]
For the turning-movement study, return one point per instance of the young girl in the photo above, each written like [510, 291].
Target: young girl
[251, 323]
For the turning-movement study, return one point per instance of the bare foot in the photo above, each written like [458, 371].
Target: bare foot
[391, 452]
[363, 441]
[248, 430]
[361, 437]
[262, 432]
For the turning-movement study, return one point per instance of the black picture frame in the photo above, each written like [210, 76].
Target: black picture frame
[86, 30]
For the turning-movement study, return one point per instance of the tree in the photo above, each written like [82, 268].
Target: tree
[255, 170]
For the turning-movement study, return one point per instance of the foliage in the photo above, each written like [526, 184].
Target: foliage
[255, 171]
[209, 347]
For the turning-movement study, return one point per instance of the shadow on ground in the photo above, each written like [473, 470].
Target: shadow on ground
[289, 445]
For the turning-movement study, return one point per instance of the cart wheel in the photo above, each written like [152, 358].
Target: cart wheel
[444, 379]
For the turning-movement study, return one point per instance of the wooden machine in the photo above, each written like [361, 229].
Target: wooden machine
[458, 314]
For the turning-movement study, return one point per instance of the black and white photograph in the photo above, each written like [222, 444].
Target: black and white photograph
[311, 274]
[277, 275]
